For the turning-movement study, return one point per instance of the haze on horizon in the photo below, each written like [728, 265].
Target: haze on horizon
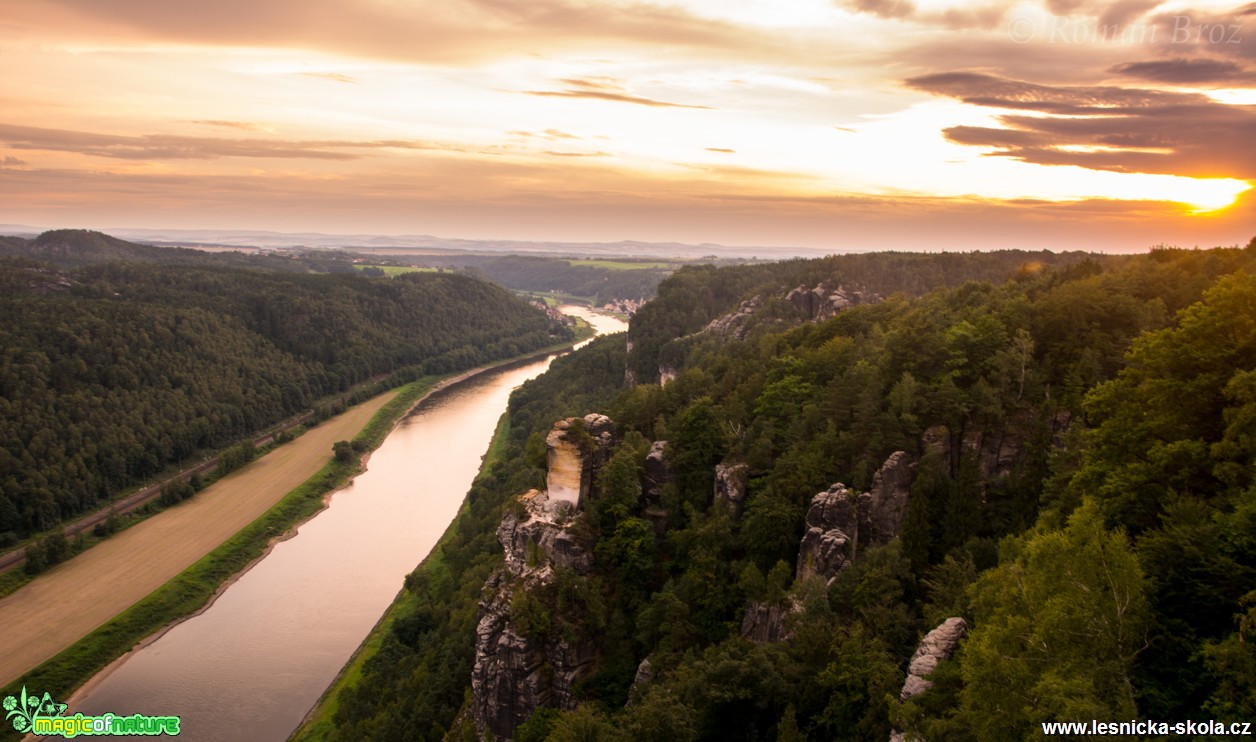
[832, 124]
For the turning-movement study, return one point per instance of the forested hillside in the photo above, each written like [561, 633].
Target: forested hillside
[529, 273]
[1057, 451]
[113, 371]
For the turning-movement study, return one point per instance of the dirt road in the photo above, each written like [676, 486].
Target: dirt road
[61, 606]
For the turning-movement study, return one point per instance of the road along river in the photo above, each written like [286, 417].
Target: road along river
[252, 664]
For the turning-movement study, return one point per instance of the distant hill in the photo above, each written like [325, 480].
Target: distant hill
[73, 248]
[76, 247]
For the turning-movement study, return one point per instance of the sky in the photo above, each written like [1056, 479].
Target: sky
[825, 124]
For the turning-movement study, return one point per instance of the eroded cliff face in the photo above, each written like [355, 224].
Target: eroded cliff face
[570, 458]
[822, 302]
[841, 522]
[938, 646]
[521, 665]
[730, 487]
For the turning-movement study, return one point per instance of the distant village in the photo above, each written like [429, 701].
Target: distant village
[624, 306]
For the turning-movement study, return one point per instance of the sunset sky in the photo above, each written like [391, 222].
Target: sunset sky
[826, 124]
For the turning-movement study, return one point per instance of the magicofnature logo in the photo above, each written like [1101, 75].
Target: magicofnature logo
[44, 716]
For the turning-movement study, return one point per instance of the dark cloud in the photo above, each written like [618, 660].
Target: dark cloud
[721, 150]
[167, 147]
[1106, 128]
[1187, 71]
[989, 90]
[10, 161]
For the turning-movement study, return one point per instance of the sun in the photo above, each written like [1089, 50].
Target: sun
[1210, 195]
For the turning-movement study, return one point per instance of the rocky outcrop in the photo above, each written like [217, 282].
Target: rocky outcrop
[539, 536]
[520, 666]
[841, 522]
[516, 673]
[938, 645]
[657, 472]
[735, 324]
[641, 681]
[630, 377]
[730, 486]
[571, 458]
[764, 623]
[829, 543]
[997, 452]
[667, 374]
[822, 302]
[887, 499]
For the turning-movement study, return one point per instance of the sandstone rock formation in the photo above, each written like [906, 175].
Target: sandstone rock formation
[657, 472]
[822, 302]
[841, 522]
[641, 681]
[735, 324]
[938, 645]
[998, 452]
[730, 486]
[764, 623]
[569, 468]
[515, 673]
[518, 668]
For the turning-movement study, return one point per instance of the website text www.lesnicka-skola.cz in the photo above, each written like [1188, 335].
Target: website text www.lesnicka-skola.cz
[1186, 728]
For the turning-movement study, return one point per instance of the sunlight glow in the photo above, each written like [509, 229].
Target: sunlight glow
[1233, 96]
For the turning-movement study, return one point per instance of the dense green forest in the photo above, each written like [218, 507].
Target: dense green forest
[530, 273]
[1080, 432]
[113, 371]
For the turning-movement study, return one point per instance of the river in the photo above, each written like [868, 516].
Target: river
[253, 663]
